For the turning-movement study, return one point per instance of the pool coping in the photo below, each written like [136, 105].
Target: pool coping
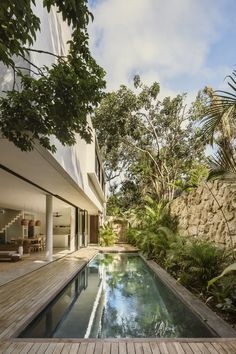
[215, 323]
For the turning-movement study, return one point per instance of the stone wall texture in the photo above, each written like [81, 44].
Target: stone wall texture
[200, 212]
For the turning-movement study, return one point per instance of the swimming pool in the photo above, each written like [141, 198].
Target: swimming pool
[117, 296]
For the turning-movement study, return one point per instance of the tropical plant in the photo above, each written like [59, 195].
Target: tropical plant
[175, 255]
[221, 112]
[107, 235]
[201, 261]
[219, 128]
[226, 271]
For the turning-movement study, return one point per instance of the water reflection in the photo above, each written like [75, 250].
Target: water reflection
[136, 304]
[117, 295]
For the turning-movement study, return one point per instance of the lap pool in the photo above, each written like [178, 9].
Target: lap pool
[116, 296]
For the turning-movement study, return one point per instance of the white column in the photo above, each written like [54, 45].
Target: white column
[72, 229]
[49, 227]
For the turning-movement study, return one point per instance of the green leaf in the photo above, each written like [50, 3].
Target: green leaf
[227, 270]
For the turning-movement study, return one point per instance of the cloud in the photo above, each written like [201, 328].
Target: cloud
[161, 40]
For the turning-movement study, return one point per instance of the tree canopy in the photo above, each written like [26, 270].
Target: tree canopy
[55, 100]
[155, 145]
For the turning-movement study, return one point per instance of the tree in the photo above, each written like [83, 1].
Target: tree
[219, 129]
[153, 144]
[56, 100]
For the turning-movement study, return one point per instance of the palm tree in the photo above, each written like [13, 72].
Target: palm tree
[219, 129]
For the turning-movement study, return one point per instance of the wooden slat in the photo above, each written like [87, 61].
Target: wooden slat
[106, 348]
[58, 349]
[195, 348]
[147, 348]
[138, 348]
[26, 348]
[82, 348]
[211, 348]
[130, 348]
[203, 348]
[114, 348]
[50, 348]
[4, 346]
[90, 348]
[171, 348]
[219, 349]
[154, 347]
[42, 349]
[66, 348]
[122, 348]
[228, 348]
[34, 349]
[179, 348]
[74, 348]
[98, 348]
[163, 348]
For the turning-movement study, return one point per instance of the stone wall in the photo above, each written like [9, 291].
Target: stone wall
[200, 212]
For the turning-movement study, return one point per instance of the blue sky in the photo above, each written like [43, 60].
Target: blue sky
[183, 44]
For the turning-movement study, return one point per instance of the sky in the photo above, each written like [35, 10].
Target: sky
[182, 44]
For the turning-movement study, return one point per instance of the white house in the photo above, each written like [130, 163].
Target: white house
[62, 194]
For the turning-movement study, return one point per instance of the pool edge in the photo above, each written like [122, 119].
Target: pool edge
[206, 315]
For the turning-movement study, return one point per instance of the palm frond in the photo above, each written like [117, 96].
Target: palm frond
[222, 108]
[223, 163]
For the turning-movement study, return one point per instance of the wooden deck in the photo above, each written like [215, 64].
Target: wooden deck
[23, 298]
[120, 347]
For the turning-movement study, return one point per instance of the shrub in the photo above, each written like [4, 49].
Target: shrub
[107, 236]
[224, 294]
[200, 262]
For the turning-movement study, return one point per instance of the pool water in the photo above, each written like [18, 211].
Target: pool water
[116, 296]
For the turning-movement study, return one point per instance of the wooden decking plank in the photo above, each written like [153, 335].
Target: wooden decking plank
[42, 348]
[219, 348]
[195, 348]
[138, 348]
[106, 348]
[74, 348]
[171, 348]
[130, 348]
[211, 348]
[82, 348]
[114, 348]
[90, 348]
[228, 348]
[147, 348]
[179, 348]
[34, 349]
[233, 345]
[4, 345]
[163, 348]
[58, 348]
[66, 348]
[154, 347]
[50, 348]
[17, 347]
[203, 348]
[11, 348]
[98, 348]
[26, 348]
[122, 348]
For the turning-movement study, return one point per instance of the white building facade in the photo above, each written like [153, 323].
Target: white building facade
[58, 196]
